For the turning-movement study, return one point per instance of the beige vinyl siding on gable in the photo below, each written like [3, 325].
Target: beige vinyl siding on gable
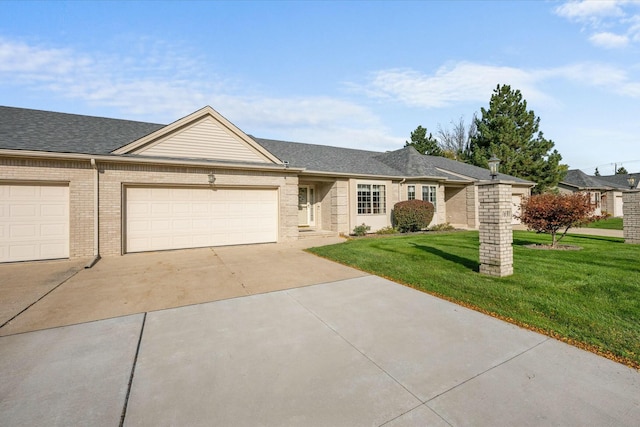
[205, 139]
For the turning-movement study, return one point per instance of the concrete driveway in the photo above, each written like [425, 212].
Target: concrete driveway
[43, 295]
[350, 352]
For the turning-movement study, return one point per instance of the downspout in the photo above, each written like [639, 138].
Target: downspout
[96, 234]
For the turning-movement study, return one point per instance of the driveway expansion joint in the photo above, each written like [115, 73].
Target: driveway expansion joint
[525, 351]
[133, 371]
[41, 298]
[356, 348]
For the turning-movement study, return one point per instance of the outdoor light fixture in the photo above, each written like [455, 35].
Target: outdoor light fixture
[494, 162]
[212, 178]
[632, 181]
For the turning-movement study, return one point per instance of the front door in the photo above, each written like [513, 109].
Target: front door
[306, 196]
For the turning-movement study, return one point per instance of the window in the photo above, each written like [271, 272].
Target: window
[429, 194]
[372, 199]
[411, 192]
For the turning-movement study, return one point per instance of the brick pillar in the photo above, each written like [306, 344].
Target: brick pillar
[631, 216]
[496, 235]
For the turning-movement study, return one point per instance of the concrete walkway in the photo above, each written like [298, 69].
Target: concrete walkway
[356, 352]
[596, 232]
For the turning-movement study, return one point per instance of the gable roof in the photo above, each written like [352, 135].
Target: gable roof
[581, 181]
[36, 130]
[203, 134]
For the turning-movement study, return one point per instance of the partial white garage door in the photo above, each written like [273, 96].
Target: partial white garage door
[176, 218]
[516, 201]
[34, 222]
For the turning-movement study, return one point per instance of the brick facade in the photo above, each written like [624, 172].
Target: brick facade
[631, 216]
[113, 178]
[78, 175]
[496, 235]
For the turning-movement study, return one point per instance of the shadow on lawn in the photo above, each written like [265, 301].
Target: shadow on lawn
[471, 264]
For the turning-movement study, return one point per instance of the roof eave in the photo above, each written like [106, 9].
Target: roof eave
[113, 158]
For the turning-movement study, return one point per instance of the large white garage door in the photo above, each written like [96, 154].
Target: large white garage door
[176, 218]
[34, 222]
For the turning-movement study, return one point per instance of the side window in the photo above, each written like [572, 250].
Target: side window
[364, 199]
[429, 194]
[411, 192]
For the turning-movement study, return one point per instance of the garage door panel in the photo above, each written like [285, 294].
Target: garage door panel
[53, 211]
[34, 222]
[194, 217]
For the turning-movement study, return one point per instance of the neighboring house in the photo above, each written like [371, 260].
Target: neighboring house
[77, 186]
[605, 191]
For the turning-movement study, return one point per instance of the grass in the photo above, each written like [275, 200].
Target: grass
[608, 224]
[589, 298]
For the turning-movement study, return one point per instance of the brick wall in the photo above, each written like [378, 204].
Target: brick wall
[78, 175]
[631, 216]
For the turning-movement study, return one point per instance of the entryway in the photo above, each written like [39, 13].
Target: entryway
[306, 206]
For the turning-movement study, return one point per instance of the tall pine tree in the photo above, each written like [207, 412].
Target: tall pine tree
[423, 143]
[511, 132]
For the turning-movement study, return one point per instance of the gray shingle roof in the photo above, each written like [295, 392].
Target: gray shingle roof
[36, 130]
[24, 129]
[405, 162]
[620, 180]
[323, 158]
[471, 171]
[582, 181]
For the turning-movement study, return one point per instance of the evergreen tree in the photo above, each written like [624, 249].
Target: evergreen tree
[597, 173]
[423, 143]
[621, 171]
[511, 132]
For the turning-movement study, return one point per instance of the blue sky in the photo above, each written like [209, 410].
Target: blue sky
[353, 74]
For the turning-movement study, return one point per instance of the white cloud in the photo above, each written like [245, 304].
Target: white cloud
[590, 10]
[471, 83]
[609, 40]
[159, 83]
[461, 82]
[611, 24]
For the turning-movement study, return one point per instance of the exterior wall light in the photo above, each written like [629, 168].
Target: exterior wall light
[212, 178]
[632, 181]
[494, 163]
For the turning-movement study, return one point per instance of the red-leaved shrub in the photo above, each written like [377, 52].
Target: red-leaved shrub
[549, 213]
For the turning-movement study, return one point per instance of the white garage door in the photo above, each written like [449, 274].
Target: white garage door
[34, 222]
[176, 218]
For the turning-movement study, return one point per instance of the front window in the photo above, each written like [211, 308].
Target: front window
[411, 192]
[429, 194]
[372, 199]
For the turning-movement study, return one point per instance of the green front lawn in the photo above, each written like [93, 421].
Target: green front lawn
[609, 224]
[590, 298]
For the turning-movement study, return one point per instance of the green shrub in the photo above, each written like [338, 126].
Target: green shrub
[442, 227]
[412, 215]
[361, 230]
[386, 230]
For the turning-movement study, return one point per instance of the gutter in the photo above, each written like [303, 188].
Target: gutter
[96, 222]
